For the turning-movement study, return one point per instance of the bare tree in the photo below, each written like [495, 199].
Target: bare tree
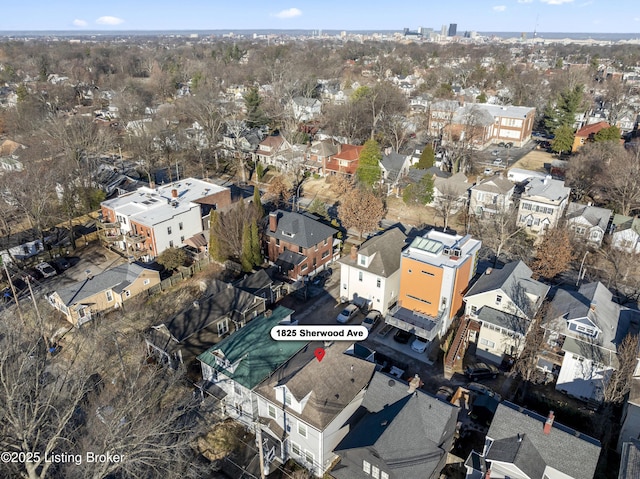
[447, 202]
[361, 210]
[280, 190]
[618, 384]
[621, 181]
[553, 254]
[500, 232]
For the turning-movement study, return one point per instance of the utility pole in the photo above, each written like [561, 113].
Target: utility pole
[260, 451]
[35, 306]
[13, 290]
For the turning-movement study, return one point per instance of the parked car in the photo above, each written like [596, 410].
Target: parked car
[495, 152]
[445, 393]
[402, 336]
[46, 269]
[482, 389]
[32, 274]
[419, 345]
[488, 171]
[498, 162]
[347, 313]
[481, 371]
[502, 144]
[61, 264]
[371, 320]
[509, 144]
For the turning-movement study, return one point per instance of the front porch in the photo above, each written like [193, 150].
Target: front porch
[420, 324]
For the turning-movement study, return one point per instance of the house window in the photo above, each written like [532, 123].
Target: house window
[109, 295]
[277, 242]
[325, 254]
[236, 389]
[426, 272]
[271, 411]
[146, 282]
[304, 266]
[168, 230]
[419, 299]
[375, 472]
[384, 475]
[474, 310]
[363, 260]
[182, 239]
[180, 226]
[498, 299]
[378, 283]
[581, 230]
[287, 398]
[302, 429]
[171, 244]
[127, 293]
[299, 249]
[359, 275]
[309, 457]
[295, 449]
[366, 467]
[486, 342]
[223, 327]
[326, 242]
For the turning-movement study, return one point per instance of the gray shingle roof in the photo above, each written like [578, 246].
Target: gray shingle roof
[548, 188]
[621, 223]
[494, 184]
[592, 214]
[504, 320]
[385, 249]
[116, 278]
[402, 432]
[520, 451]
[630, 460]
[306, 230]
[563, 449]
[514, 280]
[332, 383]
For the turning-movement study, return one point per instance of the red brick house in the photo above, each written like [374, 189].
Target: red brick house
[345, 162]
[298, 244]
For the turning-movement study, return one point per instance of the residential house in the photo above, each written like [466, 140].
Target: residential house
[146, 222]
[372, 273]
[10, 156]
[630, 460]
[451, 192]
[630, 429]
[491, 196]
[345, 162]
[588, 223]
[306, 404]
[81, 301]
[504, 301]
[263, 283]
[435, 272]
[519, 175]
[269, 148]
[523, 444]
[625, 233]
[233, 367]
[587, 327]
[298, 244]
[291, 158]
[587, 133]
[245, 142]
[472, 125]
[440, 115]
[394, 167]
[542, 204]
[405, 433]
[305, 109]
[222, 310]
[320, 153]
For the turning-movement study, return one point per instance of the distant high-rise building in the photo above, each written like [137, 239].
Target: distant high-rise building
[443, 31]
[453, 28]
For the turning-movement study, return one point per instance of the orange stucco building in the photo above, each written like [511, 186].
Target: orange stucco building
[435, 273]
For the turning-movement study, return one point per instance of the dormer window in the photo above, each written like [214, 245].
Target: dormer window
[363, 260]
[288, 234]
[585, 330]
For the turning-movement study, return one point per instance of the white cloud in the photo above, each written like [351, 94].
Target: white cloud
[288, 13]
[556, 2]
[636, 19]
[80, 23]
[107, 20]
[499, 8]
[525, 1]
[590, 2]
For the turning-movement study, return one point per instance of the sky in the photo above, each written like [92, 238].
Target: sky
[597, 16]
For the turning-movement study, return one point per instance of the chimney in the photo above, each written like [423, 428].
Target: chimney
[174, 193]
[547, 179]
[152, 185]
[488, 271]
[487, 475]
[414, 383]
[593, 305]
[548, 423]
[354, 252]
[273, 221]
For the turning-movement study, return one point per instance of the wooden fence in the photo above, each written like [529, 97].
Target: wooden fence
[183, 273]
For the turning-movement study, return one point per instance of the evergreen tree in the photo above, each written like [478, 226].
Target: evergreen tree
[215, 249]
[246, 259]
[420, 193]
[369, 171]
[256, 253]
[427, 158]
[564, 112]
[257, 203]
[608, 134]
[255, 115]
[563, 140]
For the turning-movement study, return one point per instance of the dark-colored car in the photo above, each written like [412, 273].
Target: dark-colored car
[482, 389]
[481, 371]
[402, 336]
[444, 392]
[60, 264]
[371, 319]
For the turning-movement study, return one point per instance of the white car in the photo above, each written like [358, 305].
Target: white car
[371, 319]
[497, 162]
[488, 171]
[347, 314]
[419, 345]
[46, 269]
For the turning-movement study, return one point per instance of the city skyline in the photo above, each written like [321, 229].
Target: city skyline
[596, 16]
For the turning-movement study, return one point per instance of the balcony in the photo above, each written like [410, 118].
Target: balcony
[105, 225]
[420, 324]
[133, 238]
[111, 238]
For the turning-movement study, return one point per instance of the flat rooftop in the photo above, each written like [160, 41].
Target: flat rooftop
[442, 249]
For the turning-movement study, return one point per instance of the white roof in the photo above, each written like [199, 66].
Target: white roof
[436, 248]
[508, 111]
[151, 206]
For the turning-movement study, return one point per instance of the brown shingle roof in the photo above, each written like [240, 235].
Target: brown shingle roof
[587, 131]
